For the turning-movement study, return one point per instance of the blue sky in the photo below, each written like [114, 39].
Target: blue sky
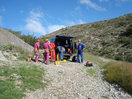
[40, 17]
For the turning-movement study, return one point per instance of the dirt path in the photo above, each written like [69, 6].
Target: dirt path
[72, 81]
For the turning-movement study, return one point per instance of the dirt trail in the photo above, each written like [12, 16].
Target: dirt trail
[72, 81]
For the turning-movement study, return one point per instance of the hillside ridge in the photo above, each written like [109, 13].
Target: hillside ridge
[109, 38]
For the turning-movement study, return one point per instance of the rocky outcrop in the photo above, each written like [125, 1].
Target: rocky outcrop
[7, 37]
[2, 57]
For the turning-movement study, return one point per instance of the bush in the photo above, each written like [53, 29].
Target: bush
[129, 58]
[129, 30]
[120, 73]
[30, 39]
[118, 57]
[7, 47]
[125, 40]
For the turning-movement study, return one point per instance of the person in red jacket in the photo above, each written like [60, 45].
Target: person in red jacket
[52, 51]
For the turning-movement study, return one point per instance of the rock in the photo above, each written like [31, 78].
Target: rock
[6, 54]
[13, 58]
[2, 57]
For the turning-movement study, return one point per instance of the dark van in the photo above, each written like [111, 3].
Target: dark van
[66, 42]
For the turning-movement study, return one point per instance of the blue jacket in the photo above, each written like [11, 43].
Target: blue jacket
[81, 47]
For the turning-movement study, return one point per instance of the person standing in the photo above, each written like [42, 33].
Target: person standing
[52, 51]
[80, 51]
[36, 50]
[47, 48]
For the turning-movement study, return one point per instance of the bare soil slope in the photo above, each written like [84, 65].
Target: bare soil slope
[7, 37]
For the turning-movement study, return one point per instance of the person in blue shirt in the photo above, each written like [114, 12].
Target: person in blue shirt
[80, 51]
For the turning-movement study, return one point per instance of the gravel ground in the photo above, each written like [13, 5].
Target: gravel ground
[71, 81]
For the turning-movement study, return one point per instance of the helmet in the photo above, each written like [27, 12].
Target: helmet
[46, 40]
[39, 40]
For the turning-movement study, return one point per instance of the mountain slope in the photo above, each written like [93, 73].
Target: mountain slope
[109, 38]
[7, 37]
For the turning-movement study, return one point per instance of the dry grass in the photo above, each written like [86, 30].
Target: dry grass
[120, 73]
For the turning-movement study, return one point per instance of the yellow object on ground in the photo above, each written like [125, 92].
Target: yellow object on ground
[58, 62]
[63, 61]
[58, 56]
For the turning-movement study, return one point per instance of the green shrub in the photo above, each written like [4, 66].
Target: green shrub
[7, 47]
[129, 30]
[106, 51]
[121, 24]
[120, 73]
[96, 25]
[125, 40]
[128, 58]
[118, 57]
[109, 55]
[30, 39]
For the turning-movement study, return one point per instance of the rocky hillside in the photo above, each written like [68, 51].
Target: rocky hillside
[7, 38]
[110, 38]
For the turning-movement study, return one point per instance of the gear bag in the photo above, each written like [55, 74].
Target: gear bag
[74, 59]
[89, 64]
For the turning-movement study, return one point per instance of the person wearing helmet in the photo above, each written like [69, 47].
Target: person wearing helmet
[47, 48]
[36, 50]
[80, 51]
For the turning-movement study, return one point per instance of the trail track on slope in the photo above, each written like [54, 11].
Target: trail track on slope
[72, 81]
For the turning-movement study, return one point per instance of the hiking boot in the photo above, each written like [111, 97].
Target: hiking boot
[43, 62]
[47, 63]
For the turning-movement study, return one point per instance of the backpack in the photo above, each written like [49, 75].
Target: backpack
[74, 59]
[89, 64]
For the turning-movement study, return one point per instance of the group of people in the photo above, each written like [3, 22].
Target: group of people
[49, 49]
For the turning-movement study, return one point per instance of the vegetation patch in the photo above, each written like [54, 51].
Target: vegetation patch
[120, 73]
[18, 78]
[105, 97]
[118, 57]
[7, 47]
[22, 57]
[91, 72]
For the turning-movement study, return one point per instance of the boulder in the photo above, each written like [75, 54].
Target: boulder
[2, 57]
